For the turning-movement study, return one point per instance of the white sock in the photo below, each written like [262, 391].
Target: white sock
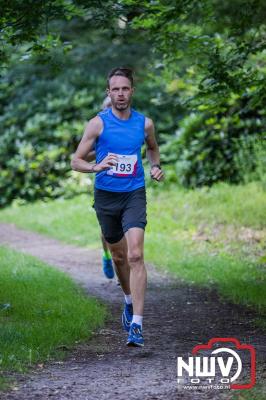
[128, 298]
[137, 319]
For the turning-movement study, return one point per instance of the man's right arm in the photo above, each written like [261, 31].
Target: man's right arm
[79, 161]
[91, 156]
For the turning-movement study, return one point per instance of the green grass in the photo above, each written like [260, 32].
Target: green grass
[41, 311]
[236, 279]
[4, 383]
[243, 205]
[212, 237]
[72, 221]
[207, 236]
[258, 392]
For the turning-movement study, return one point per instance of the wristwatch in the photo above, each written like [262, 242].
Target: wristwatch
[156, 165]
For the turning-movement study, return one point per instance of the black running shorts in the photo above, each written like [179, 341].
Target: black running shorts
[119, 211]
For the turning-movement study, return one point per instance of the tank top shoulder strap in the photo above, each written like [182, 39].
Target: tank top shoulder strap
[138, 115]
[104, 114]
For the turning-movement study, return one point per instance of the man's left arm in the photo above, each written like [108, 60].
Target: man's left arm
[153, 153]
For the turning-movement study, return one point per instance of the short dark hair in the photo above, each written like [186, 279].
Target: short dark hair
[121, 71]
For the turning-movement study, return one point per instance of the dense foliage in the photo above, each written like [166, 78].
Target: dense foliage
[200, 75]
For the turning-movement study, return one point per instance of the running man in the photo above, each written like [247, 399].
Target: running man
[107, 263]
[120, 198]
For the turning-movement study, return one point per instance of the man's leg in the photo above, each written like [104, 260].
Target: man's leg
[104, 243]
[138, 273]
[119, 256]
[107, 263]
[138, 283]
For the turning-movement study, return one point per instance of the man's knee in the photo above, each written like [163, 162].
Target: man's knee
[135, 257]
[118, 257]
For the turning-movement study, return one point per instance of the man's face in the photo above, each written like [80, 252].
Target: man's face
[120, 92]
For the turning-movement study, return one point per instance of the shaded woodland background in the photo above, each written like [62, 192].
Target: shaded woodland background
[200, 70]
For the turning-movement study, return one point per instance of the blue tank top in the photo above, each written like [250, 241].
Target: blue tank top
[124, 138]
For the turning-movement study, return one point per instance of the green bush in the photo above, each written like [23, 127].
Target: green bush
[40, 132]
[251, 159]
[212, 147]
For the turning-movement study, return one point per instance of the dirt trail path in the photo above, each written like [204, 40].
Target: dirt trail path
[104, 368]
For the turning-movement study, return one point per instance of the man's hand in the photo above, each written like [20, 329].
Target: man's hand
[106, 163]
[156, 173]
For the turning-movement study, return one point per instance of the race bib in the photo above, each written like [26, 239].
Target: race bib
[125, 167]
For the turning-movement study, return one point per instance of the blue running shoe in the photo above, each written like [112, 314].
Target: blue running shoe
[127, 316]
[135, 337]
[108, 269]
